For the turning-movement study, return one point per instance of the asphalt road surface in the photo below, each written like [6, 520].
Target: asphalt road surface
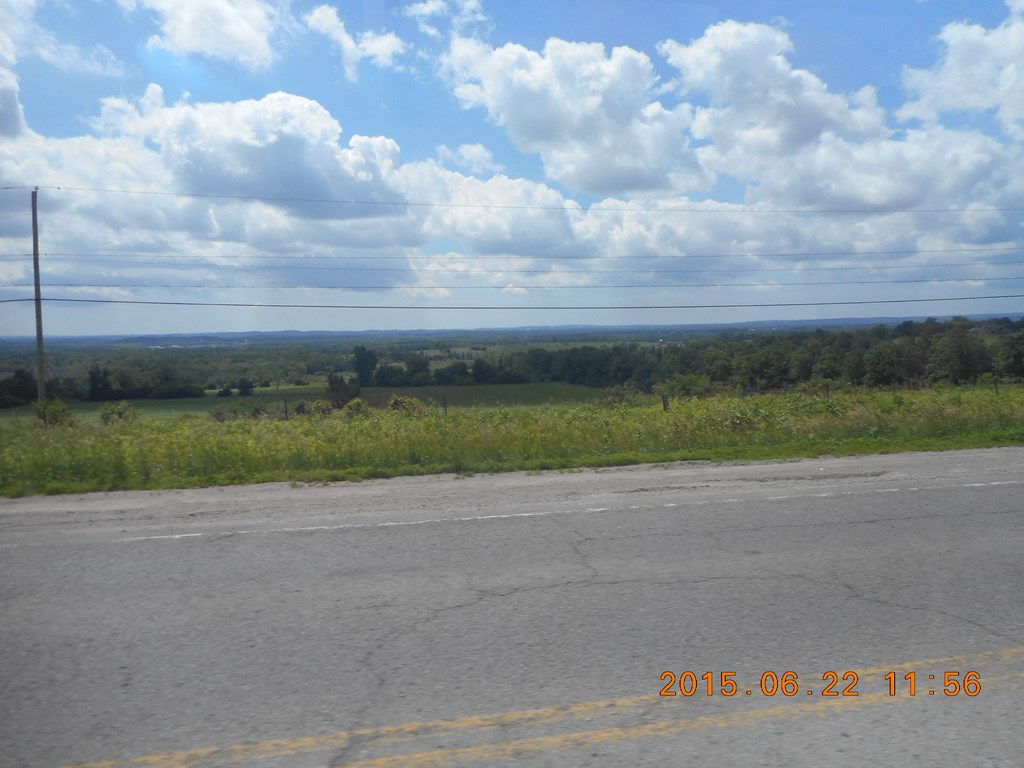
[526, 619]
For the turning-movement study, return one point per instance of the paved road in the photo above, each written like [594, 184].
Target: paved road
[524, 619]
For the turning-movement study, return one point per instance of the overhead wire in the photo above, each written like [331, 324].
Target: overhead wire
[567, 257]
[513, 271]
[204, 261]
[276, 287]
[745, 209]
[415, 307]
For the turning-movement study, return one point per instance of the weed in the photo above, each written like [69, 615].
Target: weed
[243, 445]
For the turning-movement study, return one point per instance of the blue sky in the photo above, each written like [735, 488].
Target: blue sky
[656, 161]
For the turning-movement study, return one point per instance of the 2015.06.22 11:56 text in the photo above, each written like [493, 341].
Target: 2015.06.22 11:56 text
[950, 683]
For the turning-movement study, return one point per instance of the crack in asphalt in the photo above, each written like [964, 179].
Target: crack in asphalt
[876, 600]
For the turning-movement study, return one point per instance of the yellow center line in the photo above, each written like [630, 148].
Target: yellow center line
[290, 747]
[520, 747]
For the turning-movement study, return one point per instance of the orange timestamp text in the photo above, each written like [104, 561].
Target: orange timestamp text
[950, 683]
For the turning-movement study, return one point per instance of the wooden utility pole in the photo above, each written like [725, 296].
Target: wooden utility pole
[40, 371]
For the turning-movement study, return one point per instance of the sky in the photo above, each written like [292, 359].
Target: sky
[235, 165]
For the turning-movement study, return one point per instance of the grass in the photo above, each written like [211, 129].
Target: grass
[491, 394]
[194, 450]
[271, 397]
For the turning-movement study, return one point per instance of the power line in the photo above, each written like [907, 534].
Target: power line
[200, 261]
[304, 287]
[413, 307]
[501, 206]
[455, 271]
[381, 257]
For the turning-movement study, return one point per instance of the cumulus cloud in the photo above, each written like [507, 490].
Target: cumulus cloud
[238, 31]
[12, 117]
[283, 149]
[760, 109]
[794, 143]
[499, 215]
[600, 121]
[475, 158]
[381, 49]
[279, 146]
[590, 115]
[980, 70]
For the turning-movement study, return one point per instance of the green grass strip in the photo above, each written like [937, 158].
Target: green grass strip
[196, 451]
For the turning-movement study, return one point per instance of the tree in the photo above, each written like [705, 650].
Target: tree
[18, 389]
[958, 357]
[453, 373]
[390, 376]
[365, 362]
[1009, 358]
[880, 365]
[417, 368]
[910, 360]
[483, 372]
[99, 383]
[340, 390]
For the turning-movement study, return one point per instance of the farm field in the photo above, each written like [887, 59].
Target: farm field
[194, 450]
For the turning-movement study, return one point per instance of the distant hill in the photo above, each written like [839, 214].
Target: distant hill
[563, 333]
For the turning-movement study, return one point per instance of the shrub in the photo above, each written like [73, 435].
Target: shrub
[250, 410]
[53, 413]
[119, 411]
[621, 394]
[319, 408]
[357, 409]
[406, 404]
[341, 390]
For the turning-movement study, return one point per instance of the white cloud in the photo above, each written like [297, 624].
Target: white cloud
[469, 13]
[463, 16]
[475, 158]
[793, 143]
[589, 115]
[238, 31]
[499, 215]
[599, 120]
[760, 109]
[12, 117]
[22, 36]
[223, 155]
[100, 60]
[424, 12]
[279, 146]
[381, 49]
[980, 70]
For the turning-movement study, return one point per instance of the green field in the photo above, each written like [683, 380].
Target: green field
[491, 394]
[273, 399]
[195, 450]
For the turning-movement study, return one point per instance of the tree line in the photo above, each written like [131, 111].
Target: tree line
[910, 354]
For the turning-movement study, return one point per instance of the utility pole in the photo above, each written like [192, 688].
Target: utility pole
[40, 372]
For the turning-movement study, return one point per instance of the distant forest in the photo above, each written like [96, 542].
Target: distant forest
[908, 354]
